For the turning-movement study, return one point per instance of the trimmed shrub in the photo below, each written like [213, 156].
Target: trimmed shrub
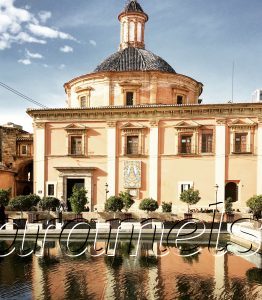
[78, 200]
[255, 205]
[114, 204]
[148, 204]
[229, 205]
[127, 200]
[24, 203]
[166, 207]
[49, 203]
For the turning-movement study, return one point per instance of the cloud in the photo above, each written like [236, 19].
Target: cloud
[92, 42]
[44, 16]
[33, 55]
[19, 25]
[61, 67]
[66, 49]
[25, 61]
[47, 32]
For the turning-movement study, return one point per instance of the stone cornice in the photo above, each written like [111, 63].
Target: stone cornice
[111, 74]
[114, 113]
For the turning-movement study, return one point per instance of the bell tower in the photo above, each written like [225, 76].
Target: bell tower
[132, 21]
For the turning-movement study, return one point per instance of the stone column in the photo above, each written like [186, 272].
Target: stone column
[220, 159]
[111, 158]
[39, 159]
[259, 157]
[153, 160]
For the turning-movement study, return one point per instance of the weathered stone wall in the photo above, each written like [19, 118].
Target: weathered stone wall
[8, 145]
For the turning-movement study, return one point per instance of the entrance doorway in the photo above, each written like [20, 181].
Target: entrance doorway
[231, 191]
[80, 183]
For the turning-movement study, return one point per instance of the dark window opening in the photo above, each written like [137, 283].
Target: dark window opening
[51, 189]
[185, 144]
[24, 150]
[83, 103]
[179, 99]
[132, 145]
[240, 142]
[129, 98]
[76, 145]
[207, 143]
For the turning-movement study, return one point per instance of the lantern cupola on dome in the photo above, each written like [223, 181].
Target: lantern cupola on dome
[132, 20]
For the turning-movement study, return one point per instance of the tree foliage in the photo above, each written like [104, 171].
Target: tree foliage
[4, 196]
[24, 203]
[190, 197]
[127, 200]
[166, 207]
[114, 204]
[148, 204]
[229, 205]
[78, 199]
[49, 203]
[255, 204]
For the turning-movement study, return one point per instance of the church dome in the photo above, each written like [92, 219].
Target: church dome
[134, 59]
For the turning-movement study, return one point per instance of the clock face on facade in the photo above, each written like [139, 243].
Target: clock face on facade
[132, 174]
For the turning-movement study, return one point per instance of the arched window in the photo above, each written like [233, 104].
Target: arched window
[139, 32]
[125, 32]
[132, 32]
[231, 191]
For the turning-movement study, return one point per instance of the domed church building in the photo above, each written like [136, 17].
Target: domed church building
[134, 124]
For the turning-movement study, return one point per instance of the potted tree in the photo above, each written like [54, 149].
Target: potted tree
[23, 203]
[78, 200]
[190, 197]
[148, 204]
[166, 207]
[128, 201]
[114, 204]
[229, 210]
[49, 204]
[255, 205]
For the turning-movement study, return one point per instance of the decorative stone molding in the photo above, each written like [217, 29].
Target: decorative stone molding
[76, 128]
[221, 121]
[154, 123]
[111, 124]
[39, 125]
[149, 111]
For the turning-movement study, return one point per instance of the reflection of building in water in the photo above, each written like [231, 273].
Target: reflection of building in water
[122, 277]
[136, 124]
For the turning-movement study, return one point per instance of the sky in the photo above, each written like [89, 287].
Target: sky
[45, 43]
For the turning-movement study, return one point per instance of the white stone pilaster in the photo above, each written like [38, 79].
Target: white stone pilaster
[220, 160]
[153, 161]
[111, 158]
[259, 159]
[39, 159]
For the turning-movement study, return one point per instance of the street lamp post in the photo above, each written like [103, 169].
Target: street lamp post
[107, 191]
[216, 189]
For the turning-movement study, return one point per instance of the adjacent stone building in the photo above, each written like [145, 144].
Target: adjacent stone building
[136, 124]
[16, 159]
